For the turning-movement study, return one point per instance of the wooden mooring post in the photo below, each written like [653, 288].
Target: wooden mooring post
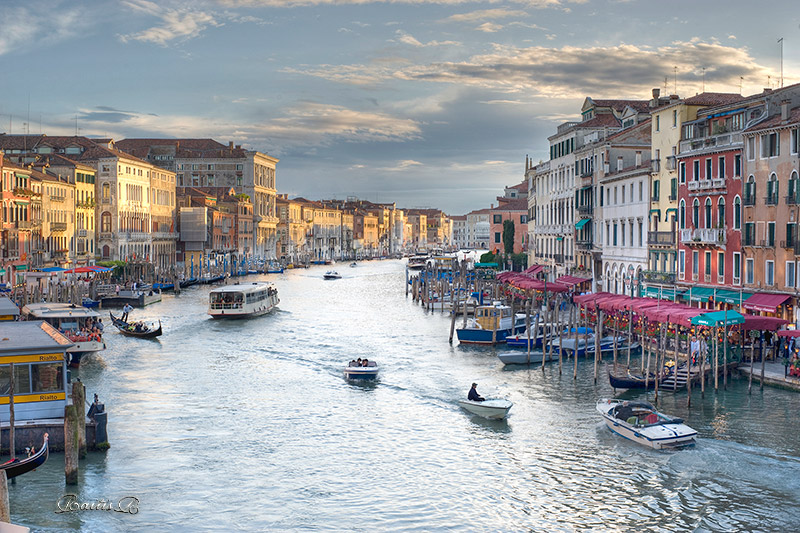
[79, 401]
[5, 513]
[71, 444]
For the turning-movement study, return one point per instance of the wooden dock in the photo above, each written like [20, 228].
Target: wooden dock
[774, 375]
[136, 299]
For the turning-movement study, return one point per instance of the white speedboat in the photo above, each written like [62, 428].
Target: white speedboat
[642, 423]
[522, 357]
[332, 274]
[494, 409]
[362, 372]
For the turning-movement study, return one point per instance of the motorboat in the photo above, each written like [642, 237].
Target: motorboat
[587, 346]
[518, 357]
[242, 300]
[491, 325]
[72, 320]
[642, 423]
[353, 264]
[361, 372]
[417, 262]
[493, 409]
[332, 274]
[273, 267]
[534, 338]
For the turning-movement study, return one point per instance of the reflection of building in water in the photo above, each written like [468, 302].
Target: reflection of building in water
[37, 351]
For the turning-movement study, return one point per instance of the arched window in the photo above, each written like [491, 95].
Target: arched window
[106, 252]
[772, 190]
[750, 191]
[791, 193]
[708, 213]
[696, 213]
[721, 212]
[682, 215]
[105, 222]
[737, 212]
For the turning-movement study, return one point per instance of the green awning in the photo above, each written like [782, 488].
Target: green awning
[732, 297]
[656, 211]
[20, 267]
[718, 318]
[485, 265]
[673, 209]
[698, 294]
[665, 293]
[2, 271]
[581, 223]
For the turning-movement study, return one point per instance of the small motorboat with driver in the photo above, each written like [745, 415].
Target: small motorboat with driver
[642, 423]
[361, 371]
[493, 409]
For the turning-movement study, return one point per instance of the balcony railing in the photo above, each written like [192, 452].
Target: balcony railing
[655, 165]
[702, 185]
[58, 226]
[583, 243]
[772, 199]
[23, 224]
[654, 276]
[166, 235]
[749, 199]
[791, 199]
[57, 197]
[672, 162]
[703, 236]
[82, 233]
[710, 142]
[663, 238]
[585, 209]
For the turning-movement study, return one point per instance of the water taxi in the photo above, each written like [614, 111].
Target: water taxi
[75, 322]
[491, 325]
[642, 423]
[242, 300]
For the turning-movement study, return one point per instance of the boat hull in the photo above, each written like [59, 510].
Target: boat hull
[491, 409]
[484, 336]
[520, 358]
[665, 433]
[360, 372]
[232, 313]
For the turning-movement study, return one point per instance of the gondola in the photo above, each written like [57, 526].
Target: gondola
[17, 467]
[123, 326]
[188, 282]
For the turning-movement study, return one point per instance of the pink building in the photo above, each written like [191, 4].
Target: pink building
[515, 210]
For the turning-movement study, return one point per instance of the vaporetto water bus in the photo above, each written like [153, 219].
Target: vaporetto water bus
[242, 300]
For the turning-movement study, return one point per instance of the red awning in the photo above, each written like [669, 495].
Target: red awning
[572, 280]
[789, 333]
[765, 302]
[534, 269]
[763, 323]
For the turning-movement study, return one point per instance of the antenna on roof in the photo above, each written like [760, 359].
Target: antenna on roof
[780, 42]
[741, 79]
[704, 79]
[675, 70]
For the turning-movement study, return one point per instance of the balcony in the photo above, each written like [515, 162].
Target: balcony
[655, 165]
[58, 226]
[82, 233]
[57, 197]
[106, 236]
[772, 199]
[23, 224]
[706, 143]
[654, 276]
[702, 185]
[672, 162]
[791, 199]
[703, 236]
[165, 235]
[585, 209]
[661, 238]
[749, 200]
[584, 244]
[134, 236]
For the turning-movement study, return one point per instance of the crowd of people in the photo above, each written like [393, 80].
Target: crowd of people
[91, 330]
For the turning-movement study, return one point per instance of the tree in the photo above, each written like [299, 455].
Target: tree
[508, 237]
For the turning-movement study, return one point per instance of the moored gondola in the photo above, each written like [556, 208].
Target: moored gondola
[126, 328]
[18, 467]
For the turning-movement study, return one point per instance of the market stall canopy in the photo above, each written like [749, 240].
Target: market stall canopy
[591, 298]
[698, 294]
[52, 269]
[533, 270]
[718, 318]
[763, 323]
[789, 333]
[731, 297]
[572, 280]
[768, 303]
[665, 293]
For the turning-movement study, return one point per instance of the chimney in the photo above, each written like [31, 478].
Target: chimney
[656, 94]
[230, 145]
[785, 110]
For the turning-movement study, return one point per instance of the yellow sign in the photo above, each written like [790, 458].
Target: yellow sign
[28, 398]
[38, 358]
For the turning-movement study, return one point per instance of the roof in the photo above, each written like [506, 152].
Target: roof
[713, 99]
[181, 148]
[776, 121]
[7, 307]
[22, 338]
[514, 204]
[642, 106]
[484, 211]
[520, 186]
[458, 218]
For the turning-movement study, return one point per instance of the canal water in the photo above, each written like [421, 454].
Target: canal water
[249, 426]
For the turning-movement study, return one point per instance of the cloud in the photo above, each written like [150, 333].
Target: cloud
[407, 38]
[486, 14]
[625, 71]
[489, 27]
[181, 23]
[536, 4]
[38, 24]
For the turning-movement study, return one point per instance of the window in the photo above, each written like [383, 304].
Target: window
[737, 165]
[658, 123]
[721, 266]
[601, 196]
[105, 221]
[696, 213]
[737, 213]
[721, 212]
[737, 268]
[106, 191]
[498, 219]
[674, 118]
[22, 379]
[771, 234]
[695, 264]
[496, 236]
[770, 145]
[772, 190]
[47, 377]
[769, 273]
[794, 145]
[749, 271]
[790, 273]
[708, 264]
[696, 170]
[673, 189]
[682, 215]
[708, 212]
[750, 191]
[622, 233]
[623, 195]
[641, 191]
[523, 219]
[615, 233]
[721, 167]
[682, 263]
[656, 190]
[749, 233]
[640, 234]
[708, 169]
[683, 171]
[790, 231]
[751, 148]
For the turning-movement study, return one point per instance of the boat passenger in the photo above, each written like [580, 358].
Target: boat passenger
[473, 394]
[365, 362]
[352, 363]
[624, 411]
[100, 324]
[358, 362]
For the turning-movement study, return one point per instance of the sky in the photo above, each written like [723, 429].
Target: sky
[423, 103]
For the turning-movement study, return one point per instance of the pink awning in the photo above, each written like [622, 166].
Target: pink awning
[763, 323]
[533, 270]
[768, 303]
[571, 281]
[789, 333]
